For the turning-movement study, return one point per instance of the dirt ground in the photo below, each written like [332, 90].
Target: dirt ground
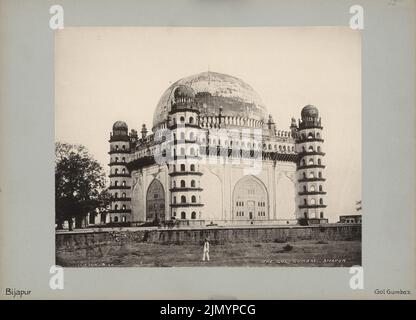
[294, 254]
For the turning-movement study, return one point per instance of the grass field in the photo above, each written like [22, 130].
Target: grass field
[294, 254]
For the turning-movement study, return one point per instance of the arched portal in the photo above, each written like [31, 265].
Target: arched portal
[250, 200]
[155, 201]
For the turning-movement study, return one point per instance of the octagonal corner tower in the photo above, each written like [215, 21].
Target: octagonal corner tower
[212, 91]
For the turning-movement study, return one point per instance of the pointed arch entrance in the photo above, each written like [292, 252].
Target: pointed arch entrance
[250, 200]
[155, 201]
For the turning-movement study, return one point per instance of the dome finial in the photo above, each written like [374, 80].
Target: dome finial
[144, 131]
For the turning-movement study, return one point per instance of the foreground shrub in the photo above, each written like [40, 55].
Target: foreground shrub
[287, 248]
[279, 241]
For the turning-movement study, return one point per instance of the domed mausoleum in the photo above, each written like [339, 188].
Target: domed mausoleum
[213, 155]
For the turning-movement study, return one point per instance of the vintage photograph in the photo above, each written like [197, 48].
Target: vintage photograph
[207, 147]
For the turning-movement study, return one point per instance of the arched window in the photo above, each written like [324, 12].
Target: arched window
[319, 149]
[318, 135]
[192, 150]
[320, 188]
[116, 147]
[312, 188]
[311, 175]
[322, 215]
[183, 215]
[123, 171]
[174, 183]
[310, 161]
[182, 151]
[193, 183]
[310, 135]
[321, 201]
[191, 136]
[319, 161]
[193, 215]
[123, 159]
[305, 201]
[182, 167]
[183, 199]
[310, 148]
[191, 120]
[182, 136]
[192, 167]
[124, 183]
[182, 119]
[303, 148]
[116, 195]
[116, 207]
[313, 201]
[115, 219]
[123, 195]
[303, 162]
[182, 183]
[304, 175]
[116, 159]
[115, 171]
[124, 207]
[304, 188]
[320, 174]
[193, 199]
[116, 183]
[174, 200]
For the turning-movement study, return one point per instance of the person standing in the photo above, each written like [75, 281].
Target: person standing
[205, 254]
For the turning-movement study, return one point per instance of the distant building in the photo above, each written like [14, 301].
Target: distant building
[351, 218]
[203, 180]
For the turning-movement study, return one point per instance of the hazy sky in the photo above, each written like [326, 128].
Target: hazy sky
[108, 74]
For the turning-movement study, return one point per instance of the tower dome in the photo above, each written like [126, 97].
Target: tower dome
[184, 92]
[309, 111]
[213, 91]
[120, 125]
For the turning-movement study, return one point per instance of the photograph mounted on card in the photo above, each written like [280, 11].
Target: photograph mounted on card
[207, 147]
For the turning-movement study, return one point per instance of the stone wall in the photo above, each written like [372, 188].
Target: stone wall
[260, 234]
[68, 241]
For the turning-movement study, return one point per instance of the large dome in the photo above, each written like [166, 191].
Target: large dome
[213, 90]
